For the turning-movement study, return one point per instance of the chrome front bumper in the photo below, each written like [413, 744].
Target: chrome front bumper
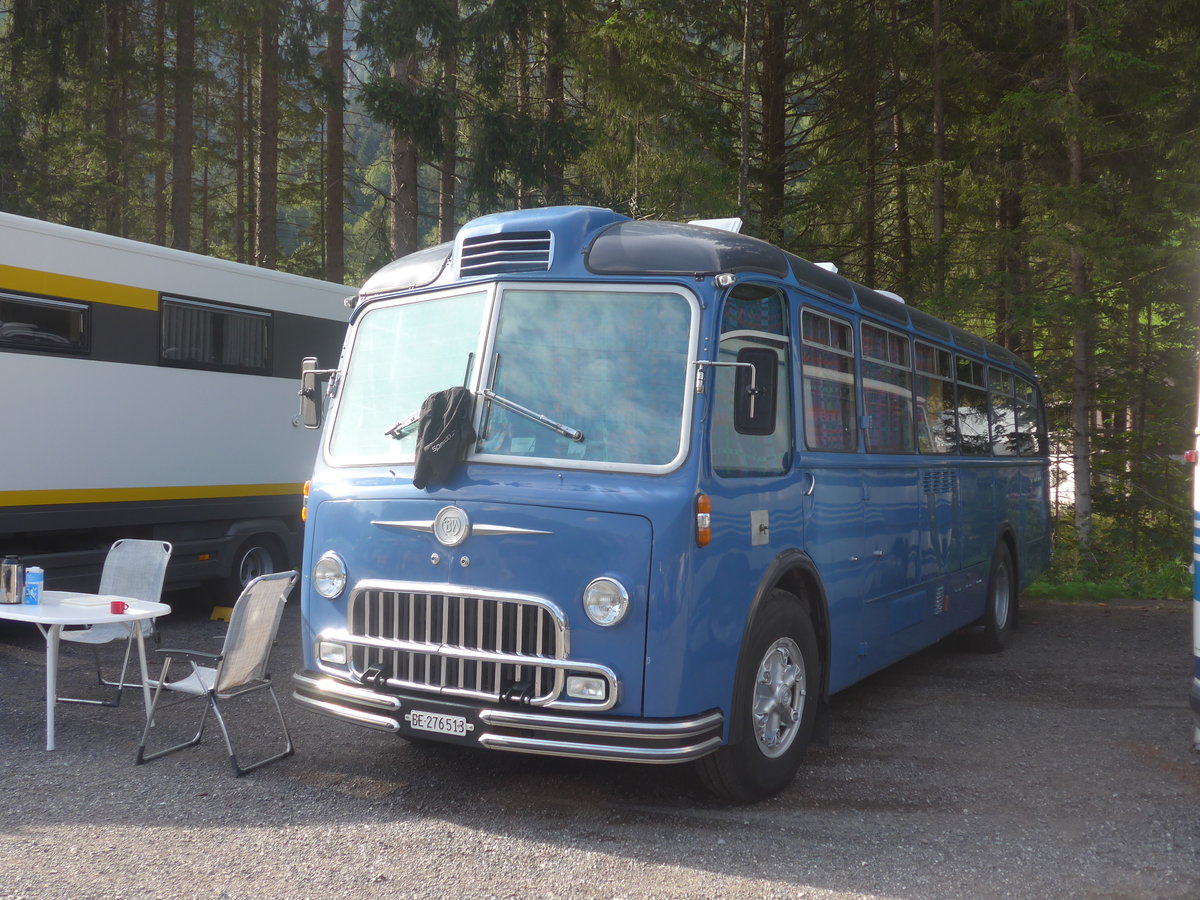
[517, 729]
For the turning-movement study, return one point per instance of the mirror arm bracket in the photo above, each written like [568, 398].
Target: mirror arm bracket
[752, 390]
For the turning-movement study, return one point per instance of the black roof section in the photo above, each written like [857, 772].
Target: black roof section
[671, 248]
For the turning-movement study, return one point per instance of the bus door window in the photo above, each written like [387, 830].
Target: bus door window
[936, 430]
[887, 390]
[754, 316]
[830, 404]
[973, 435]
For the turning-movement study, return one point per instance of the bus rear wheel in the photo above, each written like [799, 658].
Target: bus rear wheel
[774, 706]
[1000, 613]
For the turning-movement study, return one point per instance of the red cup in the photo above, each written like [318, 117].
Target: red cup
[118, 606]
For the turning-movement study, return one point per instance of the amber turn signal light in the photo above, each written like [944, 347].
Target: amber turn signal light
[703, 520]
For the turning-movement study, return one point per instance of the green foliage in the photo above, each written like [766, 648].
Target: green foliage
[1146, 560]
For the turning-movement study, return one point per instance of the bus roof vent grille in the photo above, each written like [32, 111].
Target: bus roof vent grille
[511, 251]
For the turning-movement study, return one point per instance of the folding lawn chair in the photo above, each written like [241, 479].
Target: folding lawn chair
[240, 669]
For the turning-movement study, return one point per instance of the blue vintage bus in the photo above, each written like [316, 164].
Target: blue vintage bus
[651, 491]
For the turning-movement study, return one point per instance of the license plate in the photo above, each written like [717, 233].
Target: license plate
[438, 723]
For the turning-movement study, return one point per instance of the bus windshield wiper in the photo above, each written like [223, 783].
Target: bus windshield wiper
[573, 433]
[397, 430]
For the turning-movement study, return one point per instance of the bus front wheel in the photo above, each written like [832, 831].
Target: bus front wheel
[774, 706]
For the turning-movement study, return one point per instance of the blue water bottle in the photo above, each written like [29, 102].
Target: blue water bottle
[34, 576]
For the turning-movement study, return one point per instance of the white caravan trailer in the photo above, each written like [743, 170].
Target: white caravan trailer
[149, 393]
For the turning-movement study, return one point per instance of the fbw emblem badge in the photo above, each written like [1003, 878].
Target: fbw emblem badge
[451, 526]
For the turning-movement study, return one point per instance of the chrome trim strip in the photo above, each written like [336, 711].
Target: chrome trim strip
[369, 720]
[648, 729]
[600, 751]
[411, 526]
[504, 529]
[476, 529]
[336, 688]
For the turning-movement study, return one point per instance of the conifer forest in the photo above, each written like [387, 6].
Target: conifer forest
[1026, 169]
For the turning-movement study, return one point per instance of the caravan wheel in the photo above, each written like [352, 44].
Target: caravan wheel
[261, 554]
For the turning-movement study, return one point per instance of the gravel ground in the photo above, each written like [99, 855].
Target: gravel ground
[1060, 768]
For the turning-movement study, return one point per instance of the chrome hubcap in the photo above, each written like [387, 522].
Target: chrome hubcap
[779, 693]
[1001, 597]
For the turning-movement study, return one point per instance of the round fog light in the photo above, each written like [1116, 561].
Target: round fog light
[329, 576]
[605, 601]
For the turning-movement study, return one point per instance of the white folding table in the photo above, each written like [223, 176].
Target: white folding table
[53, 613]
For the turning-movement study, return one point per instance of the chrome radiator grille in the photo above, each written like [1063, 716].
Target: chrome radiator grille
[471, 645]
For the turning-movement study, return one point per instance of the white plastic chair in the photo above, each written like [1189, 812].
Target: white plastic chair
[239, 669]
[132, 568]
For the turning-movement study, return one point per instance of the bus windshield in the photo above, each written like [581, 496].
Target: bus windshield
[574, 377]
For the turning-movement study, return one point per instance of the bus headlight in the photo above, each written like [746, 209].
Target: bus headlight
[329, 576]
[605, 601]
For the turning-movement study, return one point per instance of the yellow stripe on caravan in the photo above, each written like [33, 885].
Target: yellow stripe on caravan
[69, 287]
[147, 494]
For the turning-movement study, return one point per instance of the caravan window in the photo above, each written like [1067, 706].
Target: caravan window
[31, 323]
[209, 336]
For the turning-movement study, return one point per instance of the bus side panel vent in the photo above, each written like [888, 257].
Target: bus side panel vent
[939, 481]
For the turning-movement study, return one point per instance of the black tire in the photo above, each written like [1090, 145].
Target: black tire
[780, 672]
[1000, 613]
[261, 554]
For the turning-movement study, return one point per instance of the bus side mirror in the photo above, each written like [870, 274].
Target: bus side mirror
[311, 406]
[754, 390]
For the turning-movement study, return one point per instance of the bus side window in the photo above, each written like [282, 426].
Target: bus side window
[755, 319]
[936, 430]
[1006, 435]
[830, 404]
[887, 390]
[1031, 439]
[974, 437]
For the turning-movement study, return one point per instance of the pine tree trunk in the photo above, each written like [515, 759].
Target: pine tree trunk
[744, 167]
[900, 148]
[449, 172]
[773, 87]
[939, 155]
[1081, 335]
[268, 142]
[555, 102]
[160, 122]
[524, 192]
[870, 139]
[114, 100]
[404, 176]
[243, 158]
[335, 198]
[183, 136]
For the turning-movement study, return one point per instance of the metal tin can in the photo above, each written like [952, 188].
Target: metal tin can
[34, 577]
